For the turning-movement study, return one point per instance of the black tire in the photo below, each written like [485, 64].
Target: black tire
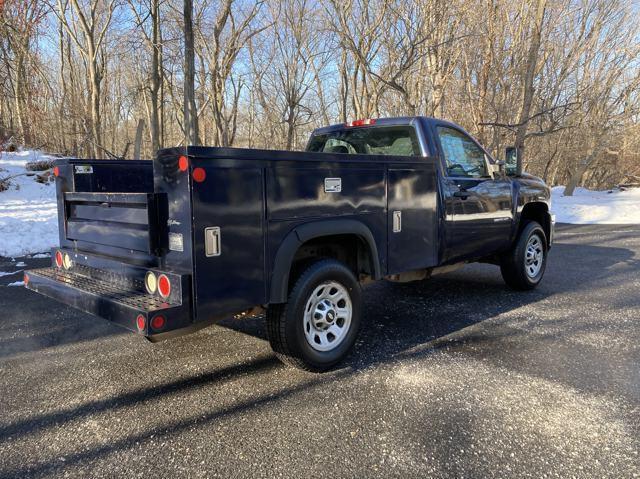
[286, 323]
[513, 264]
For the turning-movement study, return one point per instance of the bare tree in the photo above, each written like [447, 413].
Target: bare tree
[87, 25]
[190, 110]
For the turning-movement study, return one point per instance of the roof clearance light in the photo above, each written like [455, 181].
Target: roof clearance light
[151, 282]
[164, 286]
[364, 122]
[66, 261]
[183, 163]
[59, 259]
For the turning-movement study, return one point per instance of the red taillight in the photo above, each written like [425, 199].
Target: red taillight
[365, 122]
[164, 286]
[26, 279]
[158, 322]
[59, 259]
[199, 175]
[56, 171]
[140, 322]
[183, 163]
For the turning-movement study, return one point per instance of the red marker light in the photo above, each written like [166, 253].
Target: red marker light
[158, 322]
[199, 175]
[164, 286]
[56, 171]
[364, 122]
[26, 279]
[59, 259]
[183, 163]
[140, 322]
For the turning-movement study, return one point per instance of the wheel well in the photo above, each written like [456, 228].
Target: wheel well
[537, 212]
[349, 249]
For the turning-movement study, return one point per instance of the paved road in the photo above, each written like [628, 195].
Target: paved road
[455, 377]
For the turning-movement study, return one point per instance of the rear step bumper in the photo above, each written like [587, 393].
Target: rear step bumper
[110, 301]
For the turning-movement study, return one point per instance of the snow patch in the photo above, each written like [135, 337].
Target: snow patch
[28, 209]
[596, 207]
[16, 283]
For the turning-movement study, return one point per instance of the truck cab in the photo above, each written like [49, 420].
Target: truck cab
[167, 246]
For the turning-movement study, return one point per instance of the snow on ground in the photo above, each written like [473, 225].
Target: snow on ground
[596, 207]
[28, 210]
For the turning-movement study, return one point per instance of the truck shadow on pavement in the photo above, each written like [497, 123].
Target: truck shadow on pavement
[400, 316]
[402, 321]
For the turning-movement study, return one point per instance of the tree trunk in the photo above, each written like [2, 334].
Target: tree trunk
[190, 110]
[137, 147]
[156, 78]
[529, 75]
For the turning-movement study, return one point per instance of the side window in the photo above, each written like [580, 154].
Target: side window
[462, 155]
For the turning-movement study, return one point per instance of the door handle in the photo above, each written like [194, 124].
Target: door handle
[461, 194]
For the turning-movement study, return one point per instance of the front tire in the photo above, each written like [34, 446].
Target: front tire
[523, 267]
[318, 325]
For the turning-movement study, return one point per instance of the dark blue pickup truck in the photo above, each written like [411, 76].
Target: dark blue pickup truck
[168, 246]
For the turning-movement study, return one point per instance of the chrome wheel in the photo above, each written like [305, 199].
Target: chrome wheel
[534, 256]
[327, 316]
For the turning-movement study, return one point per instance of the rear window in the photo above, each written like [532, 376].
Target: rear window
[379, 140]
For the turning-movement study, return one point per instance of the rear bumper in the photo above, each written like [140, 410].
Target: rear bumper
[110, 300]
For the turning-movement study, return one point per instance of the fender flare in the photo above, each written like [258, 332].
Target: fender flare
[308, 231]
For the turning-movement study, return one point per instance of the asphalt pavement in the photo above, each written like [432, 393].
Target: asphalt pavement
[453, 377]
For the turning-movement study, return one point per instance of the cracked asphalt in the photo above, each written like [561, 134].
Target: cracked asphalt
[452, 377]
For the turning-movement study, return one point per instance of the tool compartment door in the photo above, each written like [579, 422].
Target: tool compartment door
[412, 221]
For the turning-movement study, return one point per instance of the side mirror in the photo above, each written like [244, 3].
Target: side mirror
[498, 169]
[512, 166]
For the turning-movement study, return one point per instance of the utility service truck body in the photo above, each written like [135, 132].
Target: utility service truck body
[198, 234]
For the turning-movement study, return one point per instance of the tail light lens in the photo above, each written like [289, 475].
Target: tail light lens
[59, 259]
[158, 322]
[140, 322]
[199, 175]
[164, 286]
[151, 282]
[183, 163]
[56, 171]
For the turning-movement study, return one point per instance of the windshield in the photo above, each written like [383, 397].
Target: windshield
[378, 140]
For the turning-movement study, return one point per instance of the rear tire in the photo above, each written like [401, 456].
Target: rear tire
[319, 324]
[523, 267]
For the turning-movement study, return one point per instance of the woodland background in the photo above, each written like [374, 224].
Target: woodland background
[558, 78]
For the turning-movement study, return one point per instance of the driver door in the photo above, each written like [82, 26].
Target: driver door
[478, 207]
